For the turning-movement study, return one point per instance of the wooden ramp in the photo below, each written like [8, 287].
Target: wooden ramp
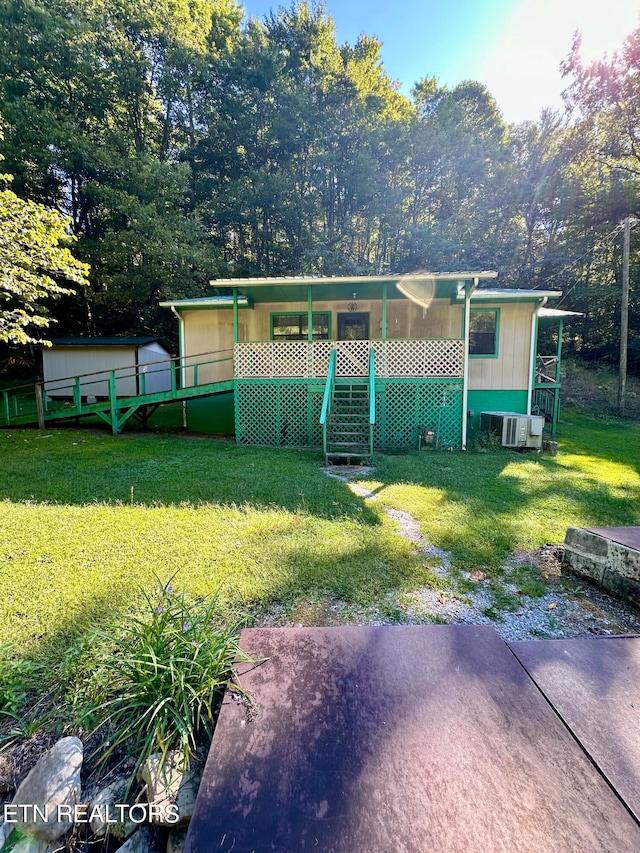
[420, 738]
[98, 394]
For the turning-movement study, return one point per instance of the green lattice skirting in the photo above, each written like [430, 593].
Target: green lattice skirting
[286, 413]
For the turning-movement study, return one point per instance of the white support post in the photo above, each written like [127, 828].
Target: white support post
[468, 290]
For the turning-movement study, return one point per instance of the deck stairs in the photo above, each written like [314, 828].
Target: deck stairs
[348, 427]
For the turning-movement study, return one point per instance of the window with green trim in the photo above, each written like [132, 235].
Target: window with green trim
[483, 332]
[295, 327]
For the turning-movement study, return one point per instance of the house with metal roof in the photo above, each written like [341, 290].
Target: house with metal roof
[356, 363]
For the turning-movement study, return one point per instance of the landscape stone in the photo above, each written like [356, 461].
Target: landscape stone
[176, 839]
[110, 796]
[53, 782]
[170, 784]
[30, 844]
[143, 840]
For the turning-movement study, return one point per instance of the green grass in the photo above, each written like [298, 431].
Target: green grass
[87, 520]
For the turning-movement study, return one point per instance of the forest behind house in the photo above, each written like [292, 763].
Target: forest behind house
[186, 142]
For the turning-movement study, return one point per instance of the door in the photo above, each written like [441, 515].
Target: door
[353, 327]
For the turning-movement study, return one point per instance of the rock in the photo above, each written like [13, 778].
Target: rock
[176, 839]
[171, 787]
[53, 785]
[29, 844]
[101, 808]
[143, 840]
[5, 832]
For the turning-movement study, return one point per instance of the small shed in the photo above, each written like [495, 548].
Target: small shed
[92, 359]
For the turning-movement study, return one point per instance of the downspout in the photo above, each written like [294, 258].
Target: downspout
[532, 353]
[181, 355]
[468, 290]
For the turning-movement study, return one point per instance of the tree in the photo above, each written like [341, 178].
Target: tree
[35, 265]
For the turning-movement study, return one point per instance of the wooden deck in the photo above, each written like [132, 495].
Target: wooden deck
[425, 738]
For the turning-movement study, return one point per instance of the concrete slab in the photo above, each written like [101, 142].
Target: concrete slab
[629, 536]
[594, 684]
[418, 738]
[610, 556]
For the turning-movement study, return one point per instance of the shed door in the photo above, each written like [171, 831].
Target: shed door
[353, 327]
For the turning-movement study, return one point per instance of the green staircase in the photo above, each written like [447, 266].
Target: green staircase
[348, 427]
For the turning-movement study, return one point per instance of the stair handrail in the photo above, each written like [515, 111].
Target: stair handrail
[328, 395]
[372, 396]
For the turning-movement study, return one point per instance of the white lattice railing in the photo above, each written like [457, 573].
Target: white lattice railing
[310, 359]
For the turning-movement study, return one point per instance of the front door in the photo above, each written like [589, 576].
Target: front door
[353, 327]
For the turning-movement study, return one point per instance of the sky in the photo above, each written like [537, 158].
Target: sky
[514, 47]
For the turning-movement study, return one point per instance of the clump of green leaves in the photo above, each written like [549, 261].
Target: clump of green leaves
[16, 674]
[171, 666]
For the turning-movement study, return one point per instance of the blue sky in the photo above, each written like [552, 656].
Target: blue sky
[514, 47]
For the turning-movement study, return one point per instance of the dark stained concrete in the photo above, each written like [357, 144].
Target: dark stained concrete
[594, 685]
[627, 536]
[420, 738]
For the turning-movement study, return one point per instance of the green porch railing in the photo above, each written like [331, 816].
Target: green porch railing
[113, 395]
[372, 397]
[328, 396]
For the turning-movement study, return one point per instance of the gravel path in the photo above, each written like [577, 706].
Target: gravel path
[570, 607]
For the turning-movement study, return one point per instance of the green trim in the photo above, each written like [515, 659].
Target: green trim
[493, 401]
[495, 354]
[297, 314]
[212, 415]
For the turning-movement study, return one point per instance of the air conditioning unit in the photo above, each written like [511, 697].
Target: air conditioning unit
[513, 429]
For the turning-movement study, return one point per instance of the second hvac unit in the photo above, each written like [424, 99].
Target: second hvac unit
[513, 429]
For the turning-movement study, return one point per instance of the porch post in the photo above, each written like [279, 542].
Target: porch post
[309, 314]
[468, 290]
[235, 315]
[559, 350]
[532, 357]
[383, 329]
[556, 390]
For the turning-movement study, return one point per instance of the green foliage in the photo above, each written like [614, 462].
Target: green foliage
[16, 678]
[165, 672]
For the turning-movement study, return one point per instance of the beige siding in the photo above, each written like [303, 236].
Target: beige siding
[510, 370]
[212, 330]
[208, 335]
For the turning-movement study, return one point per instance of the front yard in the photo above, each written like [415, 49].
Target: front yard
[88, 520]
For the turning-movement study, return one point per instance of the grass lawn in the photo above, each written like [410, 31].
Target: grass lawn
[88, 519]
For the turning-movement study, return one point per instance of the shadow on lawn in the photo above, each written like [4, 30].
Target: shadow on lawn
[479, 508]
[83, 467]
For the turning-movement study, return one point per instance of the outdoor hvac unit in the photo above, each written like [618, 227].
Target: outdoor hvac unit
[514, 430]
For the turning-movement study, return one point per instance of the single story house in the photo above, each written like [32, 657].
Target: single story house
[141, 365]
[420, 355]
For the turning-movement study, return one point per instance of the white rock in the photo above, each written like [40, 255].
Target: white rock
[168, 785]
[101, 807]
[54, 782]
[29, 844]
[142, 841]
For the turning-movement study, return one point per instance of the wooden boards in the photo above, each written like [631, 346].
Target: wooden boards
[396, 739]
[594, 685]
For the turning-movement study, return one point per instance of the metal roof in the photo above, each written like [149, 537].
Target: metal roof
[107, 342]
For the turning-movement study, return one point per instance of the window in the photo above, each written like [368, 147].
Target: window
[483, 332]
[294, 327]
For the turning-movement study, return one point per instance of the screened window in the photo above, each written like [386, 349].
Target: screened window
[294, 327]
[483, 332]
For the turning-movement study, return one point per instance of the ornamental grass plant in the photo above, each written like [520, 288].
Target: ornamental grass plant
[164, 673]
